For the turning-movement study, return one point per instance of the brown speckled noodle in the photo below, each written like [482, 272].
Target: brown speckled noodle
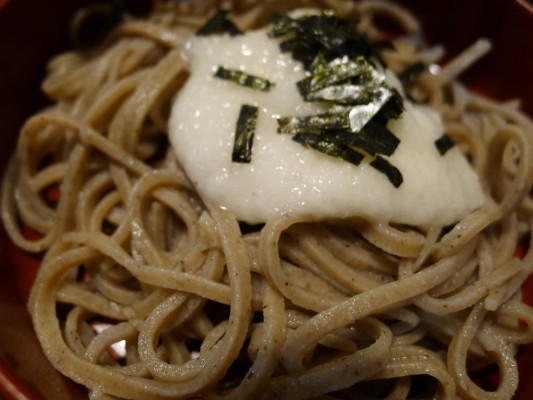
[294, 309]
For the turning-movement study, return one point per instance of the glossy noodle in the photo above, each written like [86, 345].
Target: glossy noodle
[197, 305]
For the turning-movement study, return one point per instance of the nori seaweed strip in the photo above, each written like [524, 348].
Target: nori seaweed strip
[282, 24]
[374, 139]
[244, 79]
[444, 143]
[333, 149]
[325, 32]
[347, 94]
[385, 167]
[339, 71]
[219, 23]
[336, 35]
[300, 49]
[393, 107]
[244, 134]
[314, 123]
[361, 115]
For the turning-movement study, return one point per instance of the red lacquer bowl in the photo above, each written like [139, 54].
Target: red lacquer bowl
[32, 31]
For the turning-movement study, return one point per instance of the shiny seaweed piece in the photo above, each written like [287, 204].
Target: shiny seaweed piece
[244, 134]
[244, 79]
[340, 71]
[324, 145]
[315, 124]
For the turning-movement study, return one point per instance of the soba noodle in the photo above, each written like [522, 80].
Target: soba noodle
[206, 307]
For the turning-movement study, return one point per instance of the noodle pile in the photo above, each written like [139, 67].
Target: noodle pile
[206, 307]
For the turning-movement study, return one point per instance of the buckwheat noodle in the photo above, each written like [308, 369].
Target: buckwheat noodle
[206, 307]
